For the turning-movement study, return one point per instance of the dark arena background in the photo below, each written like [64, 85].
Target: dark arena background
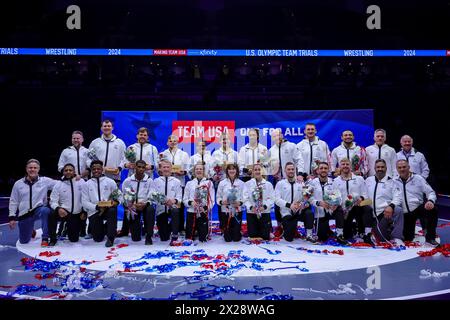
[208, 64]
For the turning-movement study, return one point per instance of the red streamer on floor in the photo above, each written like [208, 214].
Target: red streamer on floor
[443, 249]
[49, 254]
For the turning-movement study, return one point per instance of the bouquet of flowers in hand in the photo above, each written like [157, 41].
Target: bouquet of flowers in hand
[200, 198]
[218, 170]
[232, 196]
[349, 203]
[130, 155]
[257, 196]
[116, 195]
[356, 160]
[314, 166]
[92, 154]
[332, 197]
[157, 198]
[264, 158]
[129, 197]
[307, 192]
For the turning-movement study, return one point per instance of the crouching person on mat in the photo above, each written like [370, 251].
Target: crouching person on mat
[141, 185]
[199, 200]
[259, 200]
[352, 185]
[100, 199]
[65, 200]
[325, 208]
[170, 189]
[230, 195]
[289, 197]
[413, 187]
[29, 200]
[386, 202]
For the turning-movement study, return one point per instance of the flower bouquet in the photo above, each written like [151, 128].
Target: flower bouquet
[130, 155]
[217, 172]
[356, 160]
[129, 198]
[232, 197]
[116, 195]
[307, 192]
[157, 198]
[257, 196]
[332, 197]
[349, 203]
[200, 198]
[314, 166]
[92, 154]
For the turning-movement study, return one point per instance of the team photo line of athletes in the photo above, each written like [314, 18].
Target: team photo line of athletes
[374, 194]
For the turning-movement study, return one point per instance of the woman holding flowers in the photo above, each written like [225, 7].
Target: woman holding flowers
[230, 197]
[259, 200]
[199, 200]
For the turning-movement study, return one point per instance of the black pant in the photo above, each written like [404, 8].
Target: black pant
[323, 230]
[232, 228]
[73, 225]
[222, 215]
[181, 226]
[125, 230]
[164, 228]
[259, 227]
[277, 210]
[428, 220]
[363, 216]
[290, 223]
[83, 224]
[99, 230]
[199, 224]
[135, 224]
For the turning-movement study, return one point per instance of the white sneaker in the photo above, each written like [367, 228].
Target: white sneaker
[398, 242]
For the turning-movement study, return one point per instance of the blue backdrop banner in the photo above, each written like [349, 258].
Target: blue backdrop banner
[191, 126]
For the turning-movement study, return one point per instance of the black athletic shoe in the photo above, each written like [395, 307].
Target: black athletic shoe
[121, 234]
[52, 242]
[148, 241]
[173, 241]
[109, 243]
[433, 242]
[367, 238]
[341, 240]
[313, 239]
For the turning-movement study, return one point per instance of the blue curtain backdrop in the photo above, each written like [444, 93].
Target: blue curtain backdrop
[209, 125]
